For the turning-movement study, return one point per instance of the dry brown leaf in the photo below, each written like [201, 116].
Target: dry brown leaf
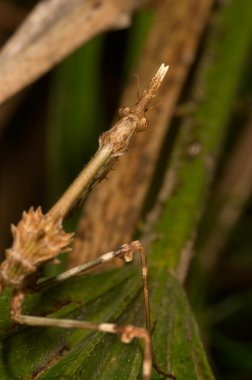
[54, 29]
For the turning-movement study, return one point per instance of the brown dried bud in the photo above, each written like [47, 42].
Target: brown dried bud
[38, 238]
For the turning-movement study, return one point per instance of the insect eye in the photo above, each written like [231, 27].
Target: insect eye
[143, 125]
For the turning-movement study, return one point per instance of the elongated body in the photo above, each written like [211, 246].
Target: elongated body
[39, 238]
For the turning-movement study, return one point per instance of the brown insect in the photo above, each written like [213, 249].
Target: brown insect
[39, 238]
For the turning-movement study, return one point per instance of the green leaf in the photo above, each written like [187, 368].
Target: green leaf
[55, 353]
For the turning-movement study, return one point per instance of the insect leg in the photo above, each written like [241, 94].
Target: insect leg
[125, 251]
[126, 333]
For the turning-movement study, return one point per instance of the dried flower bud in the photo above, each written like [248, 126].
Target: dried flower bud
[38, 238]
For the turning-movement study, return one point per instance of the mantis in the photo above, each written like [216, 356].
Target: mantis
[39, 238]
